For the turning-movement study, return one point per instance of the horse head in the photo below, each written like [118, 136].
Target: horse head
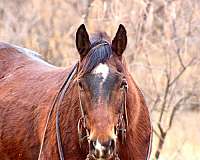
[102, 92]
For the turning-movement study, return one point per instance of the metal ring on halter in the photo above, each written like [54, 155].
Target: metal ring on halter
[122, 124]
[81, 128]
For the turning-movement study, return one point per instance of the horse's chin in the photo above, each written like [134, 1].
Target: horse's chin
[110, 157]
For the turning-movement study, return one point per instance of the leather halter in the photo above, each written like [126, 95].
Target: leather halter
[121, 127]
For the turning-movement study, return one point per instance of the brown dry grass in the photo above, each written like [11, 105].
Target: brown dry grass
[156, 33]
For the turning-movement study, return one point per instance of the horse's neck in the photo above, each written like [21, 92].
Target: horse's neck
[139, 129]
[68, 110]
[69, 114]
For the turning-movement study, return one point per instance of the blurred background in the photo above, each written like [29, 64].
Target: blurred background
[163, 54]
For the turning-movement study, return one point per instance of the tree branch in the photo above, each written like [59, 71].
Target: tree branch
[181, 72]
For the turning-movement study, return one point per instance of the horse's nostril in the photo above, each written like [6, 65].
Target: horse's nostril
[102, 149]
[109, 146]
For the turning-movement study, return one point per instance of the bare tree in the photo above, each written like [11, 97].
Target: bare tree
[173, 97]
[162, 52]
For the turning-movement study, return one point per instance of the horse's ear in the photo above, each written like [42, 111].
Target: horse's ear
[120, 41]
[82, 41]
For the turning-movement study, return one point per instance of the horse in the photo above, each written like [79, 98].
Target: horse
[92, 110]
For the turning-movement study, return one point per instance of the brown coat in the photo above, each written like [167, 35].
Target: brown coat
[28, 86]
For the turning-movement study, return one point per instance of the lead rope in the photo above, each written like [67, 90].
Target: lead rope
[66, 86]
[58, 98]
[59, 141]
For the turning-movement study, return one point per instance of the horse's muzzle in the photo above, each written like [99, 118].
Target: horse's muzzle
[101, 150]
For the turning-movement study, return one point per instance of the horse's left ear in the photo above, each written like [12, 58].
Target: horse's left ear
[120, 41]
[82, 41]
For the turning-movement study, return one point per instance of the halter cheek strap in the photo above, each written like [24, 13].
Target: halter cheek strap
[83, 132]
[122, 125]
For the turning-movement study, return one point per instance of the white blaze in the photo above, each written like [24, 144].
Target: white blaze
[102, 69]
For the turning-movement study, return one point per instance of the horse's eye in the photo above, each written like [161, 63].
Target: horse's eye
[80, 85]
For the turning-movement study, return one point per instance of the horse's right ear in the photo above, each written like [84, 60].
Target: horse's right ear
[82, 41]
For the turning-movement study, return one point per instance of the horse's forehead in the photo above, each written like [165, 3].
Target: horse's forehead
[101, 82]
[101, 69]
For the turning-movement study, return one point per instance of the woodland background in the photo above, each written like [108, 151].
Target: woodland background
[163, 54]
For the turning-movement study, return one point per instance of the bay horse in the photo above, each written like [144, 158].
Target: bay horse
[93, 110]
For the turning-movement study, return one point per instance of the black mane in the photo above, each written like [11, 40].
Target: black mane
[100, 52]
